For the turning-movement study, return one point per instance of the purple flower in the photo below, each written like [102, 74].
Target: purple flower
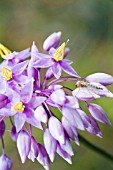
[31, 71]
[50, 144]
[12, 76]
[14, 134]
[64, 154]
[67, 147]
[43, 157]
[90, 124]
[52, 41]
[23, 145]
[56, 129]
[72, 115]
[34, 150]
[70, 130]
[102, 78]
[98, 113]
[56, 61]
[22, 106]
[5, 163]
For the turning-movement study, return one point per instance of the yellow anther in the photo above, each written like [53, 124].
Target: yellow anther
[59, 54]
[6, 73]
[4, 51]
[19, 107]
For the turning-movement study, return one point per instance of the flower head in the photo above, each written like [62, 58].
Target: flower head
[31, 99]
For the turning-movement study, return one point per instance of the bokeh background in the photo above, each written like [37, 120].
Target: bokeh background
[89, 26]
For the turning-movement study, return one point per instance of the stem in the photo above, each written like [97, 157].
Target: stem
[95, 148]
[3, 150]
[62, 79]
[11, 121]
[47, 110]
[30, 130]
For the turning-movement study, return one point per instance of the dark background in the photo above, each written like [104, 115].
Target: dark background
[89, 26]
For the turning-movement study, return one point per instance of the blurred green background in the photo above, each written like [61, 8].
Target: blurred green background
[89, 26]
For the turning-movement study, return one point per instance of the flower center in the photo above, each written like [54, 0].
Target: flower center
[4, 51]
[59, 54]
[6, 73]
[19, 107]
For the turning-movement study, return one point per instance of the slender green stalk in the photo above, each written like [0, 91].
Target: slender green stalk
[95, 148]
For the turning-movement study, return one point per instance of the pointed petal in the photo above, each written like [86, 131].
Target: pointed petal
[30, 117]
[36, 101]
[68, 69]
[27, 91]
[102, 78]
[19, 121]
[98, 113]
[20, 67]
[6, 111]
[22, 55]
[43, 63]
[23, 145]
[66, 52]
[34, 51]
[68, 61]
[56, 70]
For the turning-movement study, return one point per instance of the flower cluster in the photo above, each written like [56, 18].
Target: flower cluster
[28, 100]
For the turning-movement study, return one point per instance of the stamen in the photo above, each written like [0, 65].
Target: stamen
[59, 54]
[6, 73]
[19, 107]
[4, 51]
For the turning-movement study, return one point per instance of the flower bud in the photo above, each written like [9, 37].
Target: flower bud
[23, 145]
[14, 134]
[5, 163]
[52, 41]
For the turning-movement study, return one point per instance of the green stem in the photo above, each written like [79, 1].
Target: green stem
[95, 148]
